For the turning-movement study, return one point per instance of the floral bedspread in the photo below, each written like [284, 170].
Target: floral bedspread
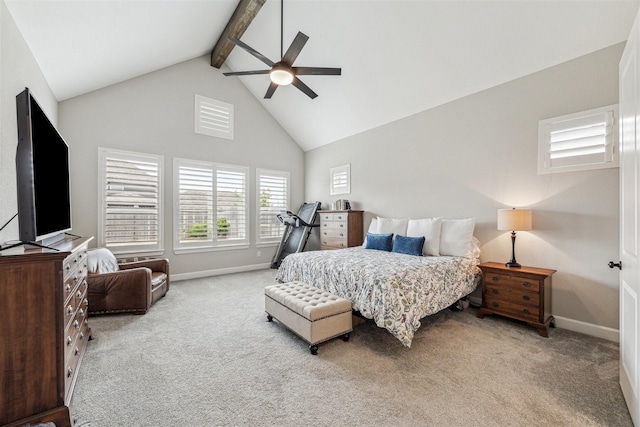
[395, 290]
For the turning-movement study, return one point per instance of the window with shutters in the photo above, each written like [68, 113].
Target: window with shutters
[580, 141]
[211, 206]
[213, 117]
[340, 180]
[130, 214]
[273, 197]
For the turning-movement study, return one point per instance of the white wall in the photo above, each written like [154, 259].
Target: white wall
[154, 114]
[475, 155]
[18, 69]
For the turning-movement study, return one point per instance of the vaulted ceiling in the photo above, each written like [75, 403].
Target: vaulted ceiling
[397, 57]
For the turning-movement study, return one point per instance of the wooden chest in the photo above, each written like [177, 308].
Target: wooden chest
[522, 293]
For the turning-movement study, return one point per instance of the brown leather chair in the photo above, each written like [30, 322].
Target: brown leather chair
[132, 289]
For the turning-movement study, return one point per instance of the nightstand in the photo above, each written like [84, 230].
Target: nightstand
[522, 293]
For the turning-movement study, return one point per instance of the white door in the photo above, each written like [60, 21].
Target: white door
[629, 225]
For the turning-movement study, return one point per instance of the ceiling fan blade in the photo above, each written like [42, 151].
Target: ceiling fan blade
[246, 73]
[272, 88]
[251, 50]
[294, 49]
[303, 87]
[316, 71]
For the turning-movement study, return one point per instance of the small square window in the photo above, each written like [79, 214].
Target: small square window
[213, 117]
[580, 141]
[340, 180]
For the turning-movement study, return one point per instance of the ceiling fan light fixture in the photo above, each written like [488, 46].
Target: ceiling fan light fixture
[281, 75]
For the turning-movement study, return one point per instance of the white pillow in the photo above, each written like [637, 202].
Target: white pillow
[373, 229]
[430, 229]
[456, 237]
[392, 225]
[101, 260]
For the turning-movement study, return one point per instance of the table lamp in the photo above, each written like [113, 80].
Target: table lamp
[514, 220]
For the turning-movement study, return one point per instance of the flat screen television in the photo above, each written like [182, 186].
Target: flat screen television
[42, 167]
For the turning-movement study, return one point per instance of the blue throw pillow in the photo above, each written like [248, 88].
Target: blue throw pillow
[381, 242]
[408, 245]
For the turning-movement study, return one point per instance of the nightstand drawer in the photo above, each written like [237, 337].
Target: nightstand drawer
[515, 282]
[524, 312]
[512, 294]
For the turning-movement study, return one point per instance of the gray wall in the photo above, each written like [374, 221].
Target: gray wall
[154, 114]
[478, 154]
[18, 69]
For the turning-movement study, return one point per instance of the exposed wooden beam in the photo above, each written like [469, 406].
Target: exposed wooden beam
[239, 22]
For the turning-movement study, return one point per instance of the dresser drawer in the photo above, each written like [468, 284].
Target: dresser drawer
[334, 243]
[515, 282]
[522, 311]
[339, 233]
[512, 294]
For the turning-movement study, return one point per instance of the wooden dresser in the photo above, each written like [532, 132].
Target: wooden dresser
[43, 313]
[340, 229]
[522, 293]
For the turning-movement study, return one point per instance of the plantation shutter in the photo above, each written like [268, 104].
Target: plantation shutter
[340, 182]
[231, 203]
[213, 117]
[273, 198]
[211, 206]
[195, 202]
[579, 141]
[131, 196]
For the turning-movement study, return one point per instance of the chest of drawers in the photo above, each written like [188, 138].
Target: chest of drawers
[43, 313]
[519, 293]
[340, 229]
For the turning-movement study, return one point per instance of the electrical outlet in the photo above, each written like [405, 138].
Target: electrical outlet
[259, 253]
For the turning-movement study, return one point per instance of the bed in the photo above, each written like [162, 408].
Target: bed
[396, 290]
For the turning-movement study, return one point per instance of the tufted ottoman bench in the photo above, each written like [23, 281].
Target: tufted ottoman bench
[313, 314]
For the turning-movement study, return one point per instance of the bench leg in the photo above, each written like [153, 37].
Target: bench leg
[345, 337]
[269, 318]
[313, 349]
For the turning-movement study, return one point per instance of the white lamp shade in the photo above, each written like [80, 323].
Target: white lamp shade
[514, 219]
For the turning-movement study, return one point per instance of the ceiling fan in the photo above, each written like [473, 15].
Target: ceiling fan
[283, 72]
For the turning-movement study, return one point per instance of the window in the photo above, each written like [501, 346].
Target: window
[273, 197]
[340, 180]
[130, 215]
[581, 141]
[213, 117]
[211, 206]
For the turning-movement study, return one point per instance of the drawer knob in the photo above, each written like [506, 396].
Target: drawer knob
[526, 297]
[69, 341]
[68, 288]
[526, 311]
[495, 278]
[77, 352]
[81, 336]
[76, 324]
[526, 284]
[495, 291]
[69, 372]
[69, 310]
[86, 302]
[495, 304]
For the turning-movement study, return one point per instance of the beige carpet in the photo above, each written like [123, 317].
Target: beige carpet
[206, 356]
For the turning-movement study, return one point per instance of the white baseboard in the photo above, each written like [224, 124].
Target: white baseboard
[587, 328]
[218, 272]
